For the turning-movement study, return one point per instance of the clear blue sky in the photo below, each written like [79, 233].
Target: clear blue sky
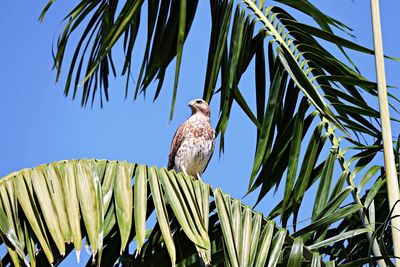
[39, 125]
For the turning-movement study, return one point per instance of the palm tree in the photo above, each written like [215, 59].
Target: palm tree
[312, 116]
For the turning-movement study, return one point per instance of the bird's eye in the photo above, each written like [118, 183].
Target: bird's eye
[198, 101]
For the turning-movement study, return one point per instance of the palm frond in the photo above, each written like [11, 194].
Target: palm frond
[169, 24]
[49, 209]
[308, 95]
[299, 67]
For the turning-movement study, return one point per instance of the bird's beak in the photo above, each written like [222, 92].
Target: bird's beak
[191, 103]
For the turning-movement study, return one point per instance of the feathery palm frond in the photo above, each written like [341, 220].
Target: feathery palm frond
[296, 62]
[229, 53]
[309, 96]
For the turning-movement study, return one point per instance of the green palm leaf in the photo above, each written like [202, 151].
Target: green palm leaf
[298, 66]
[309, 90]
[186, 208]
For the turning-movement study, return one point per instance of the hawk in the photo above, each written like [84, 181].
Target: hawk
[193, 143]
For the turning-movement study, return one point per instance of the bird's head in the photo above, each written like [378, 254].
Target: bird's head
[199, 105]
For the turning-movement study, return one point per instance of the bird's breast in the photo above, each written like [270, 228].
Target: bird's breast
[194, 154]
[197, 145]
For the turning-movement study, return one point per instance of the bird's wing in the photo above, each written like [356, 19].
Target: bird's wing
[176, 143]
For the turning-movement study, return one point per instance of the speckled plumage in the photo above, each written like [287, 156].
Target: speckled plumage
[193, 142]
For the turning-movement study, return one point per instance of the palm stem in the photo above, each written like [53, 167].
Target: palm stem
[390, 169]
[350, 181]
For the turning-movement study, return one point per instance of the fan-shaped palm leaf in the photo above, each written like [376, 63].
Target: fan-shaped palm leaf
[36, 206]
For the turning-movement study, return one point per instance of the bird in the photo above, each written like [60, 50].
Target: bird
[193, 143]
